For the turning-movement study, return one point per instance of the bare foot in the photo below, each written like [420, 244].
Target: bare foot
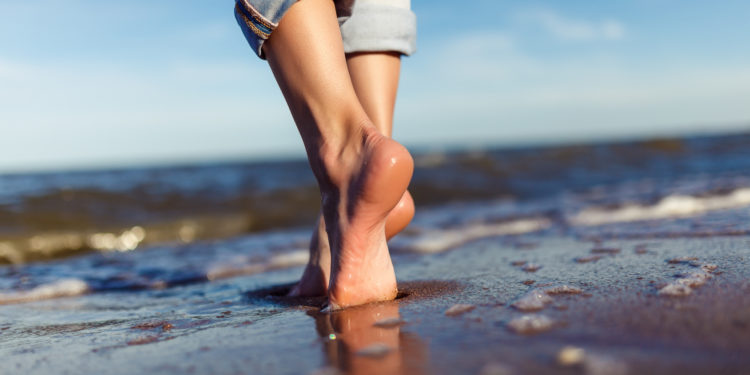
[315, 278]
[360, 185]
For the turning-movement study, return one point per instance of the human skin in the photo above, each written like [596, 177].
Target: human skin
[362, 174]
[374, 76]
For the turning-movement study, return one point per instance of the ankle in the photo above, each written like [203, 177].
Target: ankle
[338, 154]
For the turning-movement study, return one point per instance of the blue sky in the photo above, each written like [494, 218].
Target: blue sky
[95, 83]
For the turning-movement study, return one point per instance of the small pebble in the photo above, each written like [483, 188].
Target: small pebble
[641, 249]
[459, 309]
[570, 356]
[563, 289]
[143, 340]
[709, 267]
[531, 267]
[605, 250]
[681, 260]
[588, 258]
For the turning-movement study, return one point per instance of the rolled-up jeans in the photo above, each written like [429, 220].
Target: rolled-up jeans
[366, 25]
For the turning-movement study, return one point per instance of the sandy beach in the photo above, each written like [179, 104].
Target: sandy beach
[472, 310]
[623, 272]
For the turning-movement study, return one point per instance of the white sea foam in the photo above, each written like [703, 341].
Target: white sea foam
[291, 259]
[672, 206]
[694, 279]
[241, 267]
[60, 288]
[675, 290]
[685, 284]
[435, 241]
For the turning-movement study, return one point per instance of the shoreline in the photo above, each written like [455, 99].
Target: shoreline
[616, 323]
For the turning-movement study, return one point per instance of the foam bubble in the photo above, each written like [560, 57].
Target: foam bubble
[694, 279]
[675, 290]
[534, 300]
[60, 288]
[531, 324]
[459, 309]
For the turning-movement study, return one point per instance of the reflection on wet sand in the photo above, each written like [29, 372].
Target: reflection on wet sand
[369, 340]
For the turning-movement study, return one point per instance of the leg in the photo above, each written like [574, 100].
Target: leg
[362, 174]
[375, 80]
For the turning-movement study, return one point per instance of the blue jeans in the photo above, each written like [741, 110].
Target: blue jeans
[366, 25]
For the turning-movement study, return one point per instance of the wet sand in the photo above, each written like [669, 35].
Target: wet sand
[477, 309]
[617, 258]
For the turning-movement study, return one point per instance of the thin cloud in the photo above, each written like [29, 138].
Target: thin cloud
[569, 29]
[511, 94]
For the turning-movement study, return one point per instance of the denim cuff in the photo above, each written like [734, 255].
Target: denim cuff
[259, 19]
[379, 26]
[368, 25]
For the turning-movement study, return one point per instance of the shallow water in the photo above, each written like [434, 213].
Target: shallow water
[536, 246]
[211, 222]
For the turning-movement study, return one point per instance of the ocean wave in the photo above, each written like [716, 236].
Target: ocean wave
[439, 240]
[243, 268]
[56, 289]
[672, 206]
